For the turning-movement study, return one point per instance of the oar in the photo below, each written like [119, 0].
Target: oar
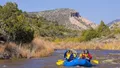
[60, 62]
[95, 61]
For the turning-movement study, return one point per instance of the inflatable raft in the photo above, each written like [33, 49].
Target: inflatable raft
[78, 61]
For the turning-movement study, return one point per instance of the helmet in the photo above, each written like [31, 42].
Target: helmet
[68, 51]
[86, 51]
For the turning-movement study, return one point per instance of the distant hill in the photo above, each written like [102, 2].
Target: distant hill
[67, 17]
[114, 23]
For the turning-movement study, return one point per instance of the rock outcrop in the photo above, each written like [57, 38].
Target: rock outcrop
[67, 17]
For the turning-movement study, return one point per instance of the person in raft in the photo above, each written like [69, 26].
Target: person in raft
[70, 54]
[86, 55]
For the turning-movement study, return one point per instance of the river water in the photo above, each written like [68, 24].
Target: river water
[107, 59]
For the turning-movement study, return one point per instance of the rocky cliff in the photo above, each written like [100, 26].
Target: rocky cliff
[67, 17]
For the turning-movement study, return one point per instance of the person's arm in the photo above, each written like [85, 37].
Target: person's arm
[71, 57]
[90, 56]
[65, 54]
[80, 55]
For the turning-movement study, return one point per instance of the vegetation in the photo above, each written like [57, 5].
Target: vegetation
[14, 24]
[103, 29]
[20, 27]
[90, 45]
[37, 48]
[25, 30]
[115, 29]
[87, 35]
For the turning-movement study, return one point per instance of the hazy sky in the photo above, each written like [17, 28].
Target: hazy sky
[93, 10]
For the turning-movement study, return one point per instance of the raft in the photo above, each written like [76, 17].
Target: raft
[78, 62]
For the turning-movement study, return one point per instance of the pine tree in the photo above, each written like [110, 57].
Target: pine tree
[103, 29]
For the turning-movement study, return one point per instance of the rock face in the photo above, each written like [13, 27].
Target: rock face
[67, 17]
[114, 24]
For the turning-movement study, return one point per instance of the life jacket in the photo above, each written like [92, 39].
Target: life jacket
[83, 56]
[75, 55]
[68, 55]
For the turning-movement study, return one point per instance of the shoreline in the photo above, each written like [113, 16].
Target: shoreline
[40, 48]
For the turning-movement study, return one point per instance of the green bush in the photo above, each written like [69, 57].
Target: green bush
[24, 36]
[88, 35]
[102, 30]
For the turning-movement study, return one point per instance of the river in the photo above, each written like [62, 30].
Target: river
[107, 59]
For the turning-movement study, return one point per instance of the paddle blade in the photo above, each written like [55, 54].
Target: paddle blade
[95, 61]
[60, 62]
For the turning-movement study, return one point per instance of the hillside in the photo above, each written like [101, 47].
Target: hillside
[22, 27]
[114, 24]
[114, 21]
[67, 17]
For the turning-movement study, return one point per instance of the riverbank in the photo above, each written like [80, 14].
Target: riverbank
[107, 59]
[89, 45]
[41, 48]
[36, 49]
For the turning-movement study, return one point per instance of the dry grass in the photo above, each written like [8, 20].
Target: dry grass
[37, 48]
[111, 46]
[9, 50]
[40, 48]
[2, 48]
[89, 45]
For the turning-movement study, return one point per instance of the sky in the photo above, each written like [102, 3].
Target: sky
[93, 10]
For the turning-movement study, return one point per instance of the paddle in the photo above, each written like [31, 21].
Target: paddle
[60, 62]
[95, 61]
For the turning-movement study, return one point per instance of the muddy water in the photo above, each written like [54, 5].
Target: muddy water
[107, 58]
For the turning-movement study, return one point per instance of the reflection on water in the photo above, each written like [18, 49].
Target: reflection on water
[107, 58]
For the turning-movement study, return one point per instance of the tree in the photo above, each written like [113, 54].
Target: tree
[88, 35]
[103, 29]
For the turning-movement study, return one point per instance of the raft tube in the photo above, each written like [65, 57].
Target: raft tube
[78, 62]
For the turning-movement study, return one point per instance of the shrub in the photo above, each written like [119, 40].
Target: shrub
[88, 35]
[24, 36]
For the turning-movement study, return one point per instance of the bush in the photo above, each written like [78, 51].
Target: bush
[88, 35]
[102, 30]
[24, 36]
